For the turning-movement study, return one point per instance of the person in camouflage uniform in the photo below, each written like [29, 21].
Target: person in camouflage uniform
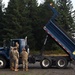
[15, 59]
[11, 54]
[11, 60]
[17, 45]
[24, 56]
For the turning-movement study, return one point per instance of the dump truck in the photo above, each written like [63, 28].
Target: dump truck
[46, 61]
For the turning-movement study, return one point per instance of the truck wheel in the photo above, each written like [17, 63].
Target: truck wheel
[46, 63]
[2, 62]
[61, 63]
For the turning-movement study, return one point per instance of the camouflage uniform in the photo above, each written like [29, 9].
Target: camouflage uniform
[15, 58]
[17, 45]
[24, 56]
[11, 59]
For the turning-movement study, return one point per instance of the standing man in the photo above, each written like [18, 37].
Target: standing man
[15, 59]
[24, 56]
[17, 45]
[11, 59]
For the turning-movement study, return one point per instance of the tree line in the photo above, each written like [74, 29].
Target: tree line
[25, 18]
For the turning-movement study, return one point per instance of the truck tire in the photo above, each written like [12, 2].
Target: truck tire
[46, 63]
[2, 62]
[61, 63]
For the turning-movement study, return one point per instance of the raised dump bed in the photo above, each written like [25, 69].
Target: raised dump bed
[59, 36]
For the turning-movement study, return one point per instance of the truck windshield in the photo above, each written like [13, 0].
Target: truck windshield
[6, 43]
[12, 43]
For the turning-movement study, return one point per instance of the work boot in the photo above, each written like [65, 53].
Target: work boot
[12, 68]
[16, 69]
[23, 69]
[26, 69]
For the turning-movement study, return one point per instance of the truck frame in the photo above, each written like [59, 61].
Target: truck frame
[46, 61]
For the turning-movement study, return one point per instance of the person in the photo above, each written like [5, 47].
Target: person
[17, 45]
[15, 59]
[24, 56]
[11, 58]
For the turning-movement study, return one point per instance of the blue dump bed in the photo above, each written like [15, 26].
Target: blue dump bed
[59, 36]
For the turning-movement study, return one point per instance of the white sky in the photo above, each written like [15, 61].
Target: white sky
[40, 1]
[73, 2]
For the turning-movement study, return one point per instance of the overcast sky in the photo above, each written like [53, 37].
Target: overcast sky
[40, 1]
[73, 1]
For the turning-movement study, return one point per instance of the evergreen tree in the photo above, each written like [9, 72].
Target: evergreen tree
[74, 16]
[18, 21]
[13, 27]
[1, 22]
[28, 25]
[45, 13]
[25, 18]
[65, 17]
[31, 15]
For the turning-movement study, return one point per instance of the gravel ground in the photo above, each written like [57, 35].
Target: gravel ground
[35, 69]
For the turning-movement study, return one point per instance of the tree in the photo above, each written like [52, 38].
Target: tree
[18, 21]
[31, 20]
[1, 22]
[44, 16]
[12, 25]
[25, 18]
[65, 17]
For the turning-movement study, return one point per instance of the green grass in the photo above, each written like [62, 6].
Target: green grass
[59, 51]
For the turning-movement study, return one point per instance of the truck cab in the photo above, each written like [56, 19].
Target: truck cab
[4, 51]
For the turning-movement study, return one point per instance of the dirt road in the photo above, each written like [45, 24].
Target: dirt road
[35, 69]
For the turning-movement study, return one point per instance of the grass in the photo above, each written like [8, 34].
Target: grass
[60, 51]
